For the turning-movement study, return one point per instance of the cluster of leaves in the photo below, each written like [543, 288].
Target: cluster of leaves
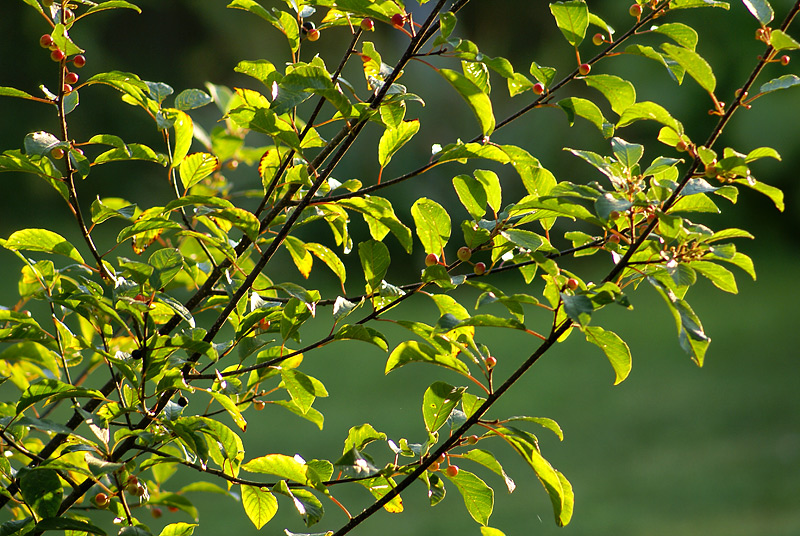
[120, 340]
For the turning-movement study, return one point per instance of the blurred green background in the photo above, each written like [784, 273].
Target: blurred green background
[673, 450]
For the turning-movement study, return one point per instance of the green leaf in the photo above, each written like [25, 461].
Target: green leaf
[432, 225]
[55, 390]
[231, 408]
[579, 308]
[557, 487]
[110, 4]
[573, 106]
[184, 132]
[394, 138]
[379, 215]
[782, 41]
[44, 241]
[331, 260]
[649, 111]
[477, 100]
[197, 167]
[438, 402]
[180, 529]
[478, 497]
[360, 436]
[358, 332]
[241, 218]
[67, 524]
[259, 504]
[6, 91]
[572, 18]
[490, 321]
[697, 67]
[189, 99]
[620, 93]
[680, 33]
[761, 10]
[375, 261]
[132, 151]
[491, 187]
[488, 460]
[280, 465]
[283, 21]
[524, 239]
[302, 388]
[472, 195]
[414, 352]
[782, 82]
[628, 154]
[617, 352]
[774, 194]
[166, 264]
[691, 336]
[489, 531]
[722, 278]
[42, 491]
[675, 70]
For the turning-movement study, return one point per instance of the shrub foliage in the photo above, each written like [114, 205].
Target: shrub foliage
[160, 331]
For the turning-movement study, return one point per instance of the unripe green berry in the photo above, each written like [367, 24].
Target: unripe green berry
[598, 39]
[464, 253]
[480, 268]
[471, 440]
[635, 10]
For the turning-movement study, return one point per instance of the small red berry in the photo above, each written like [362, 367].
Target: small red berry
[635, 10]
[431, 259]
[79, 61]
[68, 14]
[464, 253]
[172, 508]
[313, 34]
[785, 60]
[452, 470]
[614, 238]
[613, 215]
[367, 25]
[67, 89]
[139, 490]
[539, 88]
[480, 268]
[441, 459]
[45, 41]
[102, 500]
[681, 146]
[57, 55]
[491, 361]
[259, 405]
[232, 163]
[398, 20]
[71, 78]
[57, 153]
[584, 69]
[598, 39]
[572, 283]
[156, 512]
[433, 467]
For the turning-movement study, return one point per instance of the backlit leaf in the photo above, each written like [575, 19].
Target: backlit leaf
[432, 225]
[572, 18]
[44, 241]
[259, 504]
[697, 67]
[617, 352]
[477, 100]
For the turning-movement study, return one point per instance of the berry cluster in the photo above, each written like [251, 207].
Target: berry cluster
[58, 55]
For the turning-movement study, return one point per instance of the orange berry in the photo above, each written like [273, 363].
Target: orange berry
[452, 470]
